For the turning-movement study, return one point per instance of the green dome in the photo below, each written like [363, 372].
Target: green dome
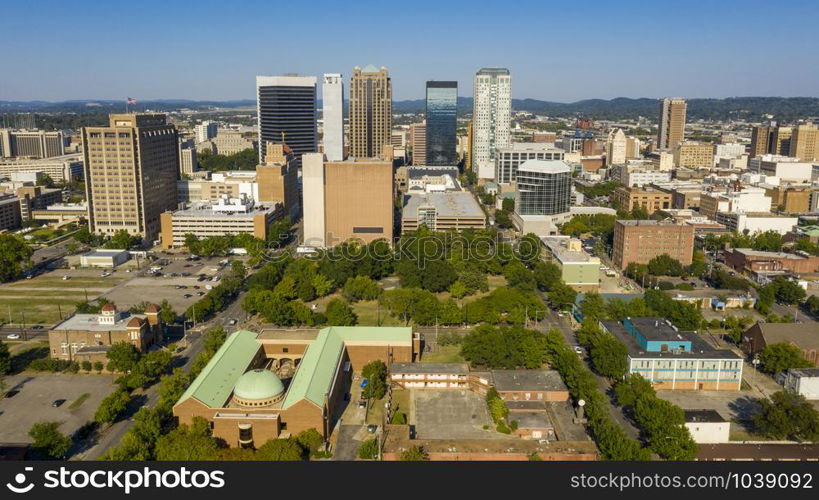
[258, 385]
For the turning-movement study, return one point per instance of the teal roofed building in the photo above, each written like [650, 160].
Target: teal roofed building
[261, 386]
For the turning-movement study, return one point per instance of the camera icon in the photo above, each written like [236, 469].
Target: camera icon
[20, 480]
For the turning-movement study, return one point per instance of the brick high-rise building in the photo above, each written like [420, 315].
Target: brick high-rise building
[348, 200]
[278, 178]
[641, 240]
[418, 143]
[370, 111]
[671, 127]
[804, 142]
[131, 169]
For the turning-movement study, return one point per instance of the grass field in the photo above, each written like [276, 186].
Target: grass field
[79, 401]
[444, 354]
[367, 312]
[43, 298]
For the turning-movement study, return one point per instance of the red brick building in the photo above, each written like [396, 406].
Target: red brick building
[641, 240]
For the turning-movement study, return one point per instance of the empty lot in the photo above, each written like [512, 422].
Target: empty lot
[452, 414]
[33, 403]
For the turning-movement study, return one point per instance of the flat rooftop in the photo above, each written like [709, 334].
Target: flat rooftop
[90, 323]
[707, 416]
[447, 204]
[654, 328]
[699, 348]
[771, 255]
[563, 254]
[527, 380]
[545, 166]
[648, 223]
[433, 368]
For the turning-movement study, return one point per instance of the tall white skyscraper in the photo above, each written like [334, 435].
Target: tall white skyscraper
[332, 96]
[616, 147]
[491, 118]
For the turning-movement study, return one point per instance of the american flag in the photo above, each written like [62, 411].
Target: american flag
[131, 100]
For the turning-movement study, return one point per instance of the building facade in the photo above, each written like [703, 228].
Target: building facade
[418, 143]
[671, 124]
[131, 169]
[491, 116]
[648, 198]
[641, 240]
[286, 112]
[442, 122]
[351, 199]
[507, 160]
[332, 102]
[370, 111]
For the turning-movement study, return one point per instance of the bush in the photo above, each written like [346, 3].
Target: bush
[665, 285]
[368, 450]
[49, 365]
[87, 366]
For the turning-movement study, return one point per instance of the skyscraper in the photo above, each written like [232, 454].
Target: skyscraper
[616, 147]
[804, 143]
[418, 143]
[287, 105]
[131, 168]
[491, 117]
[442, 122]
[370, 111]
[332, 101]
[671, 127]
[543, 188]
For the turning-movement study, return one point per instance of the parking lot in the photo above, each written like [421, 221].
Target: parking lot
[36, 394]
[452, 415]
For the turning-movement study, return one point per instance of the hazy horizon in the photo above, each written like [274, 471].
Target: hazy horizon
[565, 53]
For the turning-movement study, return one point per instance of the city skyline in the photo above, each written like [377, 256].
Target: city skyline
[702, 62]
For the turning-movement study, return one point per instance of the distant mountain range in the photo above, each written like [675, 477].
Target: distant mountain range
[751, 108]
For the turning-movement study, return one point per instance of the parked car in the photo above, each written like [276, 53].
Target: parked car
[13, 336]
[187, 295]
[372, 428]
[66, 277]
[232, 322]
[362, 404]
[57, 403]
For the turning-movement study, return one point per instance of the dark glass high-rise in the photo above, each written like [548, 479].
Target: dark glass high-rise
[441, 114]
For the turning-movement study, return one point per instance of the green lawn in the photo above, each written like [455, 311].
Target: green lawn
[367, 311]
[79, 401]
[444, 354]
[57, 282]
[38, 310]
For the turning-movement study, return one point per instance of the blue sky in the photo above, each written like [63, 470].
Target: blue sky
[557, 50]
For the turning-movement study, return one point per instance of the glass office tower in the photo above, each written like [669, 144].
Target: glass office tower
[543, 188]
[442, 104]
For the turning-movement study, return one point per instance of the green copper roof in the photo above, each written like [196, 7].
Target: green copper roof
[370, 69]
[217, 380]
[314, 376]
[258, 384]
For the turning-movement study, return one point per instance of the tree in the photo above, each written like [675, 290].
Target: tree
[609, 356]
[368, 450]
[16, 256]
[547, 275]
[561, 296]
[310, 440]
[86, 365]
[122, 357]
[787, 415]
[5, 358]
[375, 372]
[519, 276]
[98, 366]
[112, 406]
[361, 288]
[593, 307]
[788, 292]
[122, 240]
[414, 454]
[322, 284]
[48, 440]
[632, 388]
[280, 450]
[339, 313]
[779, 357]
[187, 442]
[166, 313]
[665, 265]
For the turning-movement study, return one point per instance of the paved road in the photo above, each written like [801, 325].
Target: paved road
[148, 398]
[553, 320]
